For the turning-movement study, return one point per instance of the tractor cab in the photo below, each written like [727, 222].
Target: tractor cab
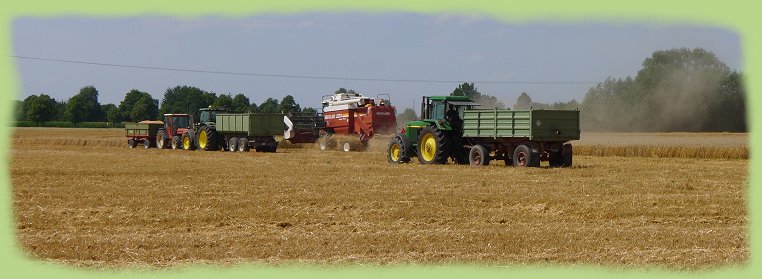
[209, 115]
[437, 108]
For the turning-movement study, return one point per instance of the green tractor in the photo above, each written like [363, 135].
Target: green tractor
[451, 127]
[203, 135]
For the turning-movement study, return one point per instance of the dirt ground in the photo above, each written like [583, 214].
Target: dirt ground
[81, 200]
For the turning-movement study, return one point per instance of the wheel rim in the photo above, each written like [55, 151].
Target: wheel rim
[477, 158]
[522, 158]
[347, 147]
[428, 147]
[202, 139]
[394, 152]
[186, 143]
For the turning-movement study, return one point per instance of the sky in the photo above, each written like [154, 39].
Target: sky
[551, 61]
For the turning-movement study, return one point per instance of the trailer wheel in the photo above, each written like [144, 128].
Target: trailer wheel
[131, 143]
[176, 142]
[243, 145]
[478, 156]
[523, 156]
[147, 143]
[399, 149]
[233, 144]
[432, 146]
[566, 155]
[160, 140]
[188, 141]
[346, 146]
[327, 142]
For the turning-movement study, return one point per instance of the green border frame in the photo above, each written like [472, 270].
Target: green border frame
[735, 15]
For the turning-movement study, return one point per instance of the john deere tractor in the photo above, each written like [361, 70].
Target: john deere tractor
[203, 135]
[452, 128]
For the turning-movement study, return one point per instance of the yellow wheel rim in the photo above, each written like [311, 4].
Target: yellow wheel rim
[394, 152]
[202, 139]
[186, 143]
[428, 147]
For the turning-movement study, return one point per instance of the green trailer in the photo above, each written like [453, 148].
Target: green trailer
[143, 132]
[451, 127]
[242, 131]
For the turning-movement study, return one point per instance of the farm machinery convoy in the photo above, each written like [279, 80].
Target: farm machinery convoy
[450, 128]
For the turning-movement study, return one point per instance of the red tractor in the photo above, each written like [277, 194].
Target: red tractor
[175, 126]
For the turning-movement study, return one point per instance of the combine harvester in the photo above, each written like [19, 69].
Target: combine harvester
[451, 127]
[352, 117]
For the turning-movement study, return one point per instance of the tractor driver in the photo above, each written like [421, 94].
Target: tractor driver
[454, 118]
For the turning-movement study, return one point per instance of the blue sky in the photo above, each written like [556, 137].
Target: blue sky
[446, 47]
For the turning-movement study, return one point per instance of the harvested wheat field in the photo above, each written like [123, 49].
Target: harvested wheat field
[81, 200]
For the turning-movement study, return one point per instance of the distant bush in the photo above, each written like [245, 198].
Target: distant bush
[66, 124]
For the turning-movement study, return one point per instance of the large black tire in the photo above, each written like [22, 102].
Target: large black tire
[524, 156]
[478, 156]
[131, 143]
[147, 144]
[161, 139]
[566, 155]
[207, 139]
[233, 144]
[243, 145]
[433, 146]
[555, 159]
[188, 143]
[400, 149]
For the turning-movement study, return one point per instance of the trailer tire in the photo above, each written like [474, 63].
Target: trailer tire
[478, 156]
[327, 142]
[233, 144]
[399, 150]
[346, 146]
[433, 146]
[147, 143]
[243, 145]
[131, 143]
[524, 156]
[566, 155]
[161, 140]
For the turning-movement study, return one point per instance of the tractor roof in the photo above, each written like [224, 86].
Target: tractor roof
[450, 98]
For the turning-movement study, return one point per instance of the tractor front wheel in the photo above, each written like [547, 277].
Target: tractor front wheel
[399, 149]
[188, 141]
[433, 146]
[176, 142]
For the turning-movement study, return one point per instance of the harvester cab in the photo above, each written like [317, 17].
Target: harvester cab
[175, 125]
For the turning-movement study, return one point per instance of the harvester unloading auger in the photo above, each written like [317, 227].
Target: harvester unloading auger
[353, 117]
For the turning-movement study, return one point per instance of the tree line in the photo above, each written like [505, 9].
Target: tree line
[138, 106]
[677, 90]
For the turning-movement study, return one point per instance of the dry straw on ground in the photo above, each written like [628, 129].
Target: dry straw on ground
[114, 206]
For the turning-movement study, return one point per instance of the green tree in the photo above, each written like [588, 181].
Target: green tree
[186, 99]
[223, 101]
[253, 108]
[113, 115]
[40, 109]
[131, 99]
[288, 104]
[145, 108]
[309, 110]
[240, 103]
[19, 111]
[406, 116]
[523, 102]
[269, 105]
[84, 106]
[467, 89]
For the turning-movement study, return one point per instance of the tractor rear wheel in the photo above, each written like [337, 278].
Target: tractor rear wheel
[399, 149]
[233, 144]
[479, 156]
[433, 146]
[161, 142]
[188, 141]
[243, 145]
[524, 156]
[207, 139]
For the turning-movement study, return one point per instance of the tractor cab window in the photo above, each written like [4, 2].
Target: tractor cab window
[180, 122]
[438, 110]
[208, 116]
